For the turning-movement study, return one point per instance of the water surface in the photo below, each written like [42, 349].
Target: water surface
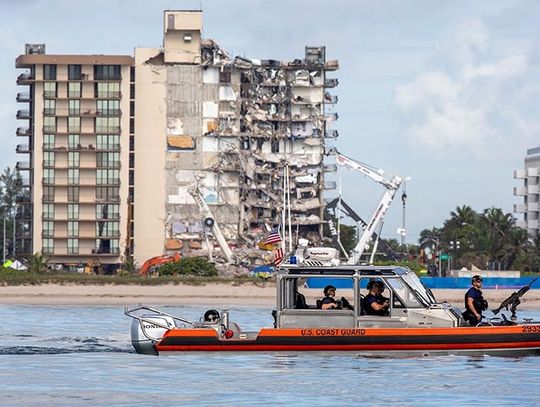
[82, 356]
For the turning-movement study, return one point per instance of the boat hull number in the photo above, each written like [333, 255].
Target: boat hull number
[531, 329]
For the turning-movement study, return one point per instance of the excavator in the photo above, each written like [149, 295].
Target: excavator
[158, 261]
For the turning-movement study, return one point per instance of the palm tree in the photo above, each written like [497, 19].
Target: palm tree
[37, 263]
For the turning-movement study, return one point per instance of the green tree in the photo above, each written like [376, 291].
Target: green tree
[38, 263]
[10, 192]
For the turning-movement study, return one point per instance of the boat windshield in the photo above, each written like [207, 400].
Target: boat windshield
[414, 282]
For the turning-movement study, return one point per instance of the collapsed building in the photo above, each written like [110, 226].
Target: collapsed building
[203, 148]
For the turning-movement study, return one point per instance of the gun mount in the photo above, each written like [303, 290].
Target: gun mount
[513, 301]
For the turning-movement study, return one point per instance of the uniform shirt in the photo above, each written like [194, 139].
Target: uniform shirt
[369, 300]
[328, 300]
[476, 295]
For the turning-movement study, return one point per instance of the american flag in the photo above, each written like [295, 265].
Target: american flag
[278, 256]
[273, 237]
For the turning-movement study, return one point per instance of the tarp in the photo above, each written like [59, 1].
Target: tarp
[16, 265]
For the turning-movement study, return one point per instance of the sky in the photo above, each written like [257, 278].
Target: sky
[444, 92]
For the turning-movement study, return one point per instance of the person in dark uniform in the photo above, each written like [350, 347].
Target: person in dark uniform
[329, 301]
[375, 303]
[474, 302]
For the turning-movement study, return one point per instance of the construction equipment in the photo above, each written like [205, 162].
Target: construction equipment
[348, 211]
[209, 222]
[157, 261]
[377, 175]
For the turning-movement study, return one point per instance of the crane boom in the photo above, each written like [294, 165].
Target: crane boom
[195, 192]
[391, 185]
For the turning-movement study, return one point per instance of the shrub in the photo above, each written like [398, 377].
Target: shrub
[197, 266]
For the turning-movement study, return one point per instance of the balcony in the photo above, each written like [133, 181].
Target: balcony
[331, 83]
[23, 166]
[532, 224]
[533, 189]
[331, 117]
[108, 129]
[24, 132]
[520, 191]
[330, 99]
[109, 95]
[519, 174]
[521, 224]
[25, 79]
[23, 114]
[329, 168]
[22, 149]
[519, 208]
[331, 134]
[49, 112]
[330, 185]
[49, 129]
[23, 97]
[331, 65]
[51, 94]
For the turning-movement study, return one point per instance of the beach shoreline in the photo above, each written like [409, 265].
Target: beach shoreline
[224, 295]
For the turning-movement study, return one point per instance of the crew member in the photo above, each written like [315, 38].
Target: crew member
[329, 301]
[474, 302]
[375, 303]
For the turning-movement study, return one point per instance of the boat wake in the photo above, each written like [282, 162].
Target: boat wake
[63, 345]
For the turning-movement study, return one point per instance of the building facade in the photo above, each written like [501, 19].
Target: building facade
[150, 154]
[529, 192]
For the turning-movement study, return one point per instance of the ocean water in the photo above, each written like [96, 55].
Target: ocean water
[82, 356]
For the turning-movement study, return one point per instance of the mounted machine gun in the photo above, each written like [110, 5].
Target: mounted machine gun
[514, 300]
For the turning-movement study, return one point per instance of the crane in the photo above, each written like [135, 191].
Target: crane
[377, 175]
[158, 261]
[209, 221]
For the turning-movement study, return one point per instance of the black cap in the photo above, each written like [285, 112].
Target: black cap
[476, 278]
[328, 288]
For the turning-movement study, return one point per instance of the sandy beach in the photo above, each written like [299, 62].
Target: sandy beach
[223, 295]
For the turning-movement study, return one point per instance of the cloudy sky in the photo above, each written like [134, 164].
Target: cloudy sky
[445, 92]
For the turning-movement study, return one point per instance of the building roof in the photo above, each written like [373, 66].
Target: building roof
[27, 60]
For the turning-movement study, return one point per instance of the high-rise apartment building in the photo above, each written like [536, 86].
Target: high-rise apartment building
[124, 151]
[530, 191]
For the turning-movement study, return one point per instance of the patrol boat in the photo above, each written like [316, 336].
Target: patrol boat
[414, 324]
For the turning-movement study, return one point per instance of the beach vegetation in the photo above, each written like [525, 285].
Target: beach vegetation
[196, 266]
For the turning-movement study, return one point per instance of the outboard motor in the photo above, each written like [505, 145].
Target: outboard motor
[144, 334]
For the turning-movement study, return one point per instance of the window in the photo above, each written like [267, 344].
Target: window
[73, 229]
[48, 158]
[73, 194]
[108, 107]
[107, 229]
[48, 228]
[108, 142]
[224, 76]
[74, 89]
[49, 124]
[74, 124]
[48, 194]
[107, 176]
[74, 141]
[107, 124]
[107, 90]
[49, 72]
[107, 246]
[48, 246]
[73, 246]
[49, 107]
[49, 89]
[73, 176]
[73, 211]
[74, 72]
[107, 72]
[73, 159]
[274, 146]
[404, 293]
[187, 38]
[48, 176]
[108, 159]
[110, 194]
[75, 107]
[48, 141]
[107, 211]
[48, 211]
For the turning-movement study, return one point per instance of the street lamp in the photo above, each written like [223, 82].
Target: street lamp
[454, 246]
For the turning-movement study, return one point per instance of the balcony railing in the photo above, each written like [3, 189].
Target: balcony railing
[331, 134]
[110, 147]
[23, 114]
[23, 97]
[23, 165]
[107, 129]
[49, 129]
[109, 95]
[24, 131]
[49, 93]
[24, 78]
[23, 149]
[49, 112]
[331, 83]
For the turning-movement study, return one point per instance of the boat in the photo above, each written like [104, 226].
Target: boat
[415, 322]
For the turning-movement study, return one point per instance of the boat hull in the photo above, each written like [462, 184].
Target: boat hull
[511, 340]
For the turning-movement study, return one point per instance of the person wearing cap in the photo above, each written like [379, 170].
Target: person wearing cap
[474, 302]
[375, 303]
[329, 301]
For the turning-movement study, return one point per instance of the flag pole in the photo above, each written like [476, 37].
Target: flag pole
[289, 207]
